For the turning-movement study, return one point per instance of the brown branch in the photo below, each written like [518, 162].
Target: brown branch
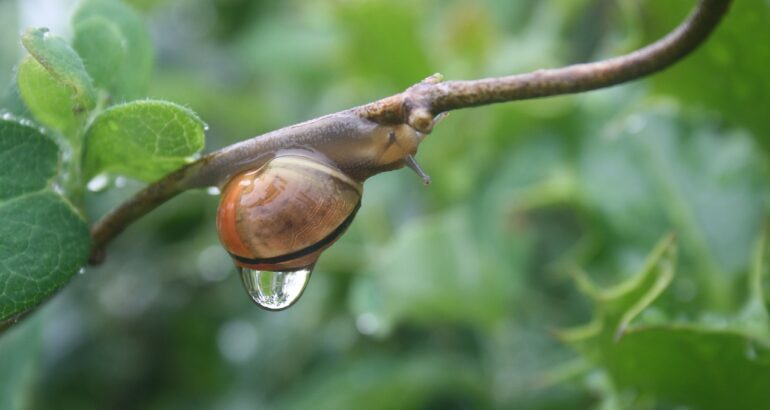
[417, 107]
[432, 97]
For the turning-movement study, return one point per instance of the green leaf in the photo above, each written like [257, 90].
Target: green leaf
[692, 365]
[734, 50]
[132, 71]
[142, 139]
[19, 176]
[654, 166]
[618, 306]
[53, 53]
[43, 240]
[48, 100]
[102, 47]
[54, 83]
[675, 363]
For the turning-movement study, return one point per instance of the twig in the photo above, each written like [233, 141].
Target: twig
[420, 104]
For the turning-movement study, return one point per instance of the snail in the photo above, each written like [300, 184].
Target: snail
[284, 214]
[278, 213]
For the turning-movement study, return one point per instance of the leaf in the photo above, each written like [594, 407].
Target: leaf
[62, 62]
[142, 139]
[102, 47]
[48, 100]
[678, 170]
[132, 72]
[692, 365]
[733, 50]
[618, 306]
[674, 363]
[54, 83]
[43, 240]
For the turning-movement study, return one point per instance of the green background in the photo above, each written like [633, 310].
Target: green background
[456, 295]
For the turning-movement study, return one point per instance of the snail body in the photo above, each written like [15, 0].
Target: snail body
[356, 146]
[279, 211]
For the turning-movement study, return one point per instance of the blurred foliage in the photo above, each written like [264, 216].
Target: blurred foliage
[508, 283]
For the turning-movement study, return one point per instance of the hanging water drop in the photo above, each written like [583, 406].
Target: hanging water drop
[275, 290]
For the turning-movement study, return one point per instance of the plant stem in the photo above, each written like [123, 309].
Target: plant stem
[420, 104]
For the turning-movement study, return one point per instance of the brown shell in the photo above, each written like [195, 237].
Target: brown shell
[284, 214]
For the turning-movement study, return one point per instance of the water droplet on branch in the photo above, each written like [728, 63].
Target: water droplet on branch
[275, 290]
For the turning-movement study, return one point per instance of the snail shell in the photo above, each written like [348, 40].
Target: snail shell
[281, 216]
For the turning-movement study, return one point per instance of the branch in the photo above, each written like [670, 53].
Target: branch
[419, 105]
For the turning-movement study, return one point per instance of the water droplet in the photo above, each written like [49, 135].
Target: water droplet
[98, 183]
[82, 270]
[7, 116]
[205, 127]
[275, 290]
[212, 190]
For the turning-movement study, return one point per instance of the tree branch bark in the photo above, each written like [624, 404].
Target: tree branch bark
[420, 104]
[433, 97]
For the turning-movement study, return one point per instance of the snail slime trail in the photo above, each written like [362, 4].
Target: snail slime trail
[277, 218]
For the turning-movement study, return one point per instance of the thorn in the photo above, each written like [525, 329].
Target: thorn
[412, 163]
